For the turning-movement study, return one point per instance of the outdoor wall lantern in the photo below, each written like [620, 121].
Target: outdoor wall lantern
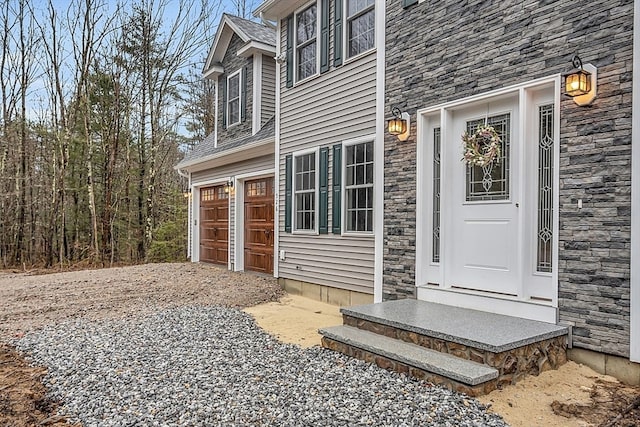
[229, 186]
[400, 124]
[581, 82]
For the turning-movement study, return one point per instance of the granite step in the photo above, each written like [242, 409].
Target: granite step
[442, 364]
[397, 334]
[480, 330]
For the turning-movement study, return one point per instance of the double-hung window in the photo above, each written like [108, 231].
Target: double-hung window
[361, 18]
[306, 42]
[358, 187]
[233, 98]
[305, 191]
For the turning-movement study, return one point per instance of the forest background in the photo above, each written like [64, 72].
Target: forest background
[100, 99]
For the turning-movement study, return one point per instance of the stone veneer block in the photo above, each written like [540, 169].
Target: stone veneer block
[486, 331]
[464, 371]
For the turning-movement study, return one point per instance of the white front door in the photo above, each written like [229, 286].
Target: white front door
[487, 237]
[483, 249]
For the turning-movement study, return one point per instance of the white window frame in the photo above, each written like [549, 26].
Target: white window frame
[229, 77]
[296, 78]
[294, 217]
[345, 32]
[351, 143]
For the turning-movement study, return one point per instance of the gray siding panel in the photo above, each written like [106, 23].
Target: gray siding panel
[268, 100]
[336, 106]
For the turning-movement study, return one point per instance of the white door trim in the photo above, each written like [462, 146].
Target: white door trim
[239, 219]
[428, 273]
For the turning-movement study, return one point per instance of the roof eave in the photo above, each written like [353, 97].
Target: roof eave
[254, 47]
[213, 72]
[270, 9]
[236, 154]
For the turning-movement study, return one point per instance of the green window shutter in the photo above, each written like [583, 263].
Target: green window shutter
[243, 99]
[288, 160]
[337, 189]
[337, 33]
[407, 3]
[323, 221]
[223, 91]
[324, 36]
[290, 51]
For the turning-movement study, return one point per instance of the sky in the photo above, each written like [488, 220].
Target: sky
[215, 7]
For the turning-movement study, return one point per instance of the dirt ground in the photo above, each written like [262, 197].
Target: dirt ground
[572, 396]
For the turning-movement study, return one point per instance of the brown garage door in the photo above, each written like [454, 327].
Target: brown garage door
[214, 224]
[258, 225]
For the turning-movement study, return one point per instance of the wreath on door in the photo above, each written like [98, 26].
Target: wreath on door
[482, 147]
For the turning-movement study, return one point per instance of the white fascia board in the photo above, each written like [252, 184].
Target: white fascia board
[236, 154]
[274, 10]
[634, 331]
[221, 41]
[213, 72]
[254, 47]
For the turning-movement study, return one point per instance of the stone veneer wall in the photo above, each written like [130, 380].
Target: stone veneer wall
[442, 51]
[232, 63]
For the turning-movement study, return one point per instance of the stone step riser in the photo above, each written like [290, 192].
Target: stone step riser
[394, 365]
[512, 365]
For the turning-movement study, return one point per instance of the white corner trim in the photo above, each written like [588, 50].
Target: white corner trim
[215, 109]
[256, 108]
[195, 223]
[635, 192]
[190, 219]
[378, 151]
[276, 164]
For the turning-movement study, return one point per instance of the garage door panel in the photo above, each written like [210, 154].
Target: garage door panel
[257, 236]
[214, 225]
[258, 227]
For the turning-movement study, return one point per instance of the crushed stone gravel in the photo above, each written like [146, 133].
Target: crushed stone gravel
[213, 366]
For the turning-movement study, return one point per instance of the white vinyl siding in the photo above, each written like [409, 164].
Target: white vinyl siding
[337, 106]
[220, 174]
[268, 104]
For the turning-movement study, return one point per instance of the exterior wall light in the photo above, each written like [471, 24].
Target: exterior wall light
[229, 187]
[581, 82]
[400, 124]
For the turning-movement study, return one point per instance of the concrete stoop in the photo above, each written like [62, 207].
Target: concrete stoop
[470, 351]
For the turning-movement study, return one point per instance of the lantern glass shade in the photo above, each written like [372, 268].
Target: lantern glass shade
[397, 126]
[577, 83]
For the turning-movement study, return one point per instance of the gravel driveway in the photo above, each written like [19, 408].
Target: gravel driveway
[164, 345]
[206, 366]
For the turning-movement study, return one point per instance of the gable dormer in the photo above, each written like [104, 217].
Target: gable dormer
[241, 63]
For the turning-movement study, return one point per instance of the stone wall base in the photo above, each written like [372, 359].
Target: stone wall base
[326, 294]
[619, 367]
